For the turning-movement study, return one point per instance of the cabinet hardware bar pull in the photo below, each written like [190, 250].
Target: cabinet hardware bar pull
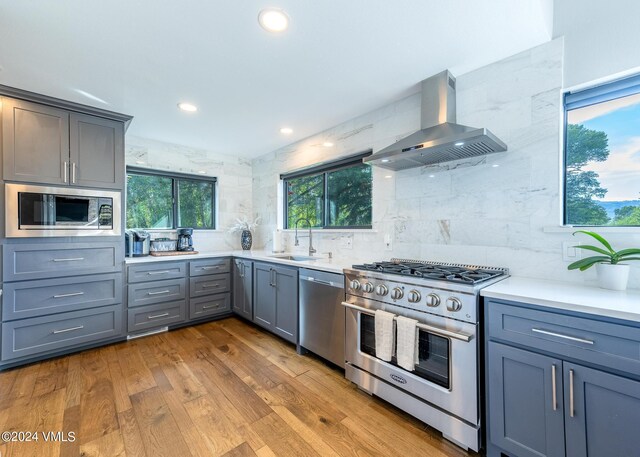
[75, 259]
[210, 286]
[210, 306]
[55, 332]
[73, 172]
[429, 328]
[66, 171]
[571, 413]
[211, 268]
[553, 387]
[157, 316]
[158, 293]
[68, 295]
[158, 272]
[560, 335]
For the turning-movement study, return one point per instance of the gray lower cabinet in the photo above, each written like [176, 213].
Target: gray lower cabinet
[209, 288]
[209, 267]
[156, 271]
[160, 315]
[40, 335]
[148, 293]
[553, 394]
[243, 288]
[210, 284]
[275, 299]
[212, 305]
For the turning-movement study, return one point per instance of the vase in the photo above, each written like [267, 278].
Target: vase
[614, 277]
[246, 239]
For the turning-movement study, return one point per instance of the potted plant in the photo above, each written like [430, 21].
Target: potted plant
[612, 274]
[244, 226]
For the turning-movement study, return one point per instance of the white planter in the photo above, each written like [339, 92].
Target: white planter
[613, 277]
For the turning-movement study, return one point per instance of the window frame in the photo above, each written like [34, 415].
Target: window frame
[324, 169]
[629, 85]
[175, 177]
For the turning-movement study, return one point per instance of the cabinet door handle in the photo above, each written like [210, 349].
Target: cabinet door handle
[164, 272]
[74, 259]
[241, 268]
[210, 306]
[65, 170]
[210, 286]
[553, 387]
[65, 330]
[158, 293]
[73, 172]
[158, 315]
[571, 412]
[560, 335]
[210, 268]
[74, 294]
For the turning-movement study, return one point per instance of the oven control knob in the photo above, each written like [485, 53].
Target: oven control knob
[433, 300]
[382, 290]
[397, 293]
[368, 287]
[414, 296]
[454, 304]
[354, 284]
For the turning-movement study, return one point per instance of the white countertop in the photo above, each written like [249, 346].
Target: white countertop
[322, 263]
[568, 296]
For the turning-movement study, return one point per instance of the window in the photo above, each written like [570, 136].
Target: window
[602, 155]
[158, 200]
[332, 195]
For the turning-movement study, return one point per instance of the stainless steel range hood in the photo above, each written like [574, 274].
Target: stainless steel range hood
[440, 139]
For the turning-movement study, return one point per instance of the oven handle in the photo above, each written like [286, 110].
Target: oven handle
[429, 328]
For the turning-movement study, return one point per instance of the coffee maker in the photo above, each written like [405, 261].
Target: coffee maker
[185, 242]
[136, 243]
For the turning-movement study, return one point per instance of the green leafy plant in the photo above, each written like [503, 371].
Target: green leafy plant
[607, 255]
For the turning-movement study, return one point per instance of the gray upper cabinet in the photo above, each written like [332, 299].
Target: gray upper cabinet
[242, 287]
[526, 417]
[48, 145]
[96, 152]
[35, 142]
[275, 299]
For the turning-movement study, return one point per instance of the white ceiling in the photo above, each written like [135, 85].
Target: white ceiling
[339, 59]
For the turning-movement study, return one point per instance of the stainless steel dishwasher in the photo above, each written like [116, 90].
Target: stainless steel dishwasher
[322, 314]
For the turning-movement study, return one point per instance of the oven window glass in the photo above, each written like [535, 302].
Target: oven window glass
[433, 352]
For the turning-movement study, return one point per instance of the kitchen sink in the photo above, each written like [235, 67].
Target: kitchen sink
[295, 258]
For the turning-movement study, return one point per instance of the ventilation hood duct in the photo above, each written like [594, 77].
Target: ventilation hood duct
[440, 139]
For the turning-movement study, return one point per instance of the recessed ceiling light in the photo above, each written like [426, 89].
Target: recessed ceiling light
[385, 160]
[187, 107]
[286, 130]
[273, 20]
[432, 176]
[495, 165]
[202, 172]
[459, 143]
[140, 162]
[327, 144]
[388, 176]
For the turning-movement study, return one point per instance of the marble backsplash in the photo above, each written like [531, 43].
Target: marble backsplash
[491, 210]
[233, 184]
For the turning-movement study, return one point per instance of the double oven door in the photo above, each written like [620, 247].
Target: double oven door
[447, 368]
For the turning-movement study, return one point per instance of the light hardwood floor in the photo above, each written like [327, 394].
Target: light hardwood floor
[220, 388]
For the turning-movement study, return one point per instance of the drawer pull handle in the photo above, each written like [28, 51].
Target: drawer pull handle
[158, 293]
[560, 335]
[74, 294]
[75, 259]
[571, 412]
[210, 306]
[158, 315]
[553, 387]
[65, 330]
[210, 286]
[211, 268]
[164, 272]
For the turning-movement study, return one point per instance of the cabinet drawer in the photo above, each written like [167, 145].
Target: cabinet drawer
[147, 293]
[209, 266]
[603, 343]
[156, 271]
[208, 285]
[54, 260]
[28, 337]
[49, 296]
[209, 306]
[146, 317]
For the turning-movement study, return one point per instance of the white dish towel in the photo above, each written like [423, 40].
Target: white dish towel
[407, 342]
[384, 335]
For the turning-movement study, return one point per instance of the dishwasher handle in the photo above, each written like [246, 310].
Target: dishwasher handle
[311, 279]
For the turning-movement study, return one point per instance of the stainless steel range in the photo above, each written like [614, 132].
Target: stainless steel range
[442, 390]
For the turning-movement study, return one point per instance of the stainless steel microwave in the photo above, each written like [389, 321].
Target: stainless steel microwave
[39, 211]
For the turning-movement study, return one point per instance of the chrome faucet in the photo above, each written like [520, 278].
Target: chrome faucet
[297, 243]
